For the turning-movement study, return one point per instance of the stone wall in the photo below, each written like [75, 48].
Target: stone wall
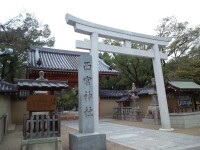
[185, 120]
[18, 108]
[5, 108]
[2, 128]
[144, 102]
[5, 114]
[106, 107]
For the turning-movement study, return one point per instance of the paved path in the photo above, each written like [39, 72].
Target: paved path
[12, 139]
[144, 139]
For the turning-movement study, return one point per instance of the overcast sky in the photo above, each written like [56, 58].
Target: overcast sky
[140, 16]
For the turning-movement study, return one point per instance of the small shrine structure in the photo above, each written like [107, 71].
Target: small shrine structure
[183, 103]
[128, 107]
[41, 127]
[182, 95]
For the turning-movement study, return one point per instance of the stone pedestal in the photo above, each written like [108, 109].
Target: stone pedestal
[153, 112]
[89, 141]
[135, 115]
[53, 143]
[152, 116]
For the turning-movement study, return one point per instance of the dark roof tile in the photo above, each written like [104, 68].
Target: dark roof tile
[28, 84]
[112, 93]
[61, 60]
[122, 93]
[6, 87]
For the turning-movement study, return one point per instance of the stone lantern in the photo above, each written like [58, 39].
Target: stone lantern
[153, 114]
[135, 109]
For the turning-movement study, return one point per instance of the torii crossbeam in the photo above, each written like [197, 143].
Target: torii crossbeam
[95, 31]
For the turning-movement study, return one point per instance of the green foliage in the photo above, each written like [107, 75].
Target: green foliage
[68, 99]
[19, 33]
[185, 69]
[184, 50]
[183, 38]
[108, 59]
[133, 69]
[184, 62]
[109, 82]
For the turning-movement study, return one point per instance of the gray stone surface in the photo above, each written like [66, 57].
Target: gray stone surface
[185, 120]
[144, 139]
[90, 141]
[87, 139]
[86, 109]
[13, 137]
[153, 112]
[53, 143]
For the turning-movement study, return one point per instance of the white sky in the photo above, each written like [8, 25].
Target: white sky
[140, 16]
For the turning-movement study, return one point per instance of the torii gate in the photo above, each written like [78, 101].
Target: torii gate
[95, 31]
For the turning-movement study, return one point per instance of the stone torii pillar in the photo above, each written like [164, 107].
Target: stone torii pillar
[95, 31]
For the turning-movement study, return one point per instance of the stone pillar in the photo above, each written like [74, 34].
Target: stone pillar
[88, 138]
[95, 77]
[162, 100]
[86, 93]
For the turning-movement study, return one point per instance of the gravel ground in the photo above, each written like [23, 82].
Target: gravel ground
[12, 139]
[114, 146]
[65, 140]
[189, 131]
[15, 136]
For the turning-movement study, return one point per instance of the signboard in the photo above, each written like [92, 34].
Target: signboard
[41, 103]
[185, 101]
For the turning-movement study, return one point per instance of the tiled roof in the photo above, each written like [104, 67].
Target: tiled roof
[125, 98]
[121, 93]
[112, 93]
[183, 84]
[28, 84]
[60, 60]
[143, 91]
[6, 87]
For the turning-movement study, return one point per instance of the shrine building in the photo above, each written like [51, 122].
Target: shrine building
[59, 65]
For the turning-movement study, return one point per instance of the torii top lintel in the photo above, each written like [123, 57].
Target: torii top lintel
[86, 27]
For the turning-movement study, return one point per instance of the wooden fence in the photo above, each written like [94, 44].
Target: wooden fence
[41, 126]
[127, 113]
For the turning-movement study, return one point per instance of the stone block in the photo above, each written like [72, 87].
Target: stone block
[172, 121]
[53, 143]
[88, 141]
[180, 121]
